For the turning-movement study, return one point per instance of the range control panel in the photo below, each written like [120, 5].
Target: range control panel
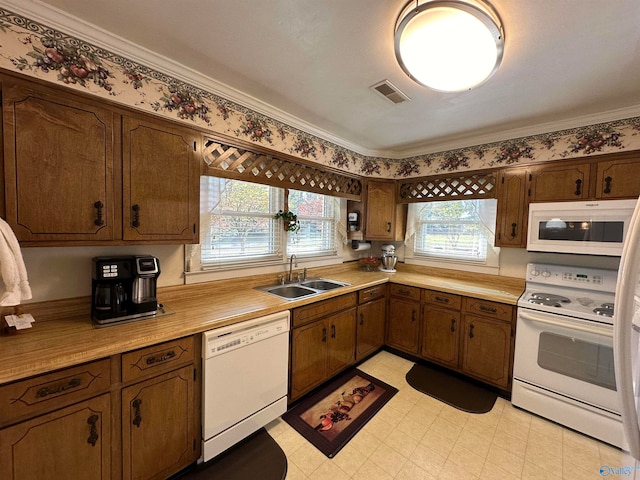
[572, 276]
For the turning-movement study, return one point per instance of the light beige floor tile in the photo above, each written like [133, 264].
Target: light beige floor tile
[468, 460]
[307, 458]
[474, 443]
[514, 445]
[477, 425]
[411, 471]
[506, 460]
[421, 415]
[290, 441]
[494, 472]
[412, 429]
[431, 404]
[371, 471]
[571, 472]
[378, 427]
[428, 459]
[388, 459]
[349, 459]
[531, 471]
[438, 442]
[513, 427]
[276, 427]
[294, 473]
[446, 428]
[544, 456]
[541, 426]
[614, 456]
[453, 471]
[365, 442]
[328, 471]
[401, 442]
[401, 404]
[454, 415]
[390, 415]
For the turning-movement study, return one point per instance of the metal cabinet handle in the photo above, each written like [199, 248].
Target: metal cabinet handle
[51, 390]
[98, 206]
[513, 230]
[484, 308]
[324, 334]
[136, 215]
[162, 358]
[453, 325]
[137, 420]
[578, 187]
[388, 227]
[402, 291]
[607, 184]
[441, 299]
[333, 331]
[93, 431]
[471, 330]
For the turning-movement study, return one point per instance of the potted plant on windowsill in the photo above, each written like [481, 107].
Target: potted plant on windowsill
[290, 220]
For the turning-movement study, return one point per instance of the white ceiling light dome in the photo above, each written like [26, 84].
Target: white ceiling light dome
[449, 46]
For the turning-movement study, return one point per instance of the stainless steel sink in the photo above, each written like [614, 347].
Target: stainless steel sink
[308, 288]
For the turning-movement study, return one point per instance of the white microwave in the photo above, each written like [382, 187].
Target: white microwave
[596, 227]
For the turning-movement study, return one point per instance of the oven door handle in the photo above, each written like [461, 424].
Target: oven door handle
[602, 331]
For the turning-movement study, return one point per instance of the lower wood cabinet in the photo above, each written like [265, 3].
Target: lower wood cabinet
[403, 319]
[67, 444]
[371, 321]
[441, 336]
[158, 425]
[323, 342]
[130, 416]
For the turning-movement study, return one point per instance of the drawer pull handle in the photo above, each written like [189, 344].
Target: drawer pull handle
[163, 358]
[333, 331]
[402, 291]
[324, 334]
[137, 420]
[136, 215]
[441, 299]
[513, 230]
[578, 187]
[362, 319]
[46, 391]
[453, 325]
[93, 431]
[471, 330]
[607, 185]
[484, 308]
[98, 206]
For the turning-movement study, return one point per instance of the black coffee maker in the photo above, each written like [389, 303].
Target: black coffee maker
[123, 287]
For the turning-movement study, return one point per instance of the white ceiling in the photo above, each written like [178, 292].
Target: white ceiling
[566, 63]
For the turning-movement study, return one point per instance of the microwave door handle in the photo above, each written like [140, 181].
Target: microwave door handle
[560, 323]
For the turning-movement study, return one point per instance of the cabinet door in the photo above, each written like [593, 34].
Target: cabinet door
[308, 357]
[569, 182]
[68, 444]
[440, 336]
[158, 434]
[342, 341]
[618, 179]
[160, 182]
[380, 222]
[370, 329]
[486, 349]
[403, 325]
[58, 166]
[512, 208]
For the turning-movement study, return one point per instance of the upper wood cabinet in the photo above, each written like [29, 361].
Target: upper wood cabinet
[618, 178]
[511, 220]
[554, 183]
[59, 166]
[160, 182]
[384, 219]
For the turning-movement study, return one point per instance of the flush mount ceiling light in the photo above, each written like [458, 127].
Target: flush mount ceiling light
[449, 46]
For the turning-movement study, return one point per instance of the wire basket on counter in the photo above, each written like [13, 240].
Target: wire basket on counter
[369, 264]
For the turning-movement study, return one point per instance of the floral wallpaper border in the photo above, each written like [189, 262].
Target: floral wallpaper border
[39, 51]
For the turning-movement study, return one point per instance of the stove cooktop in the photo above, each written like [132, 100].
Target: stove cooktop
[570, 291]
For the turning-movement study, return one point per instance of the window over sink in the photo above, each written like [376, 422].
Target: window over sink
[238, 228]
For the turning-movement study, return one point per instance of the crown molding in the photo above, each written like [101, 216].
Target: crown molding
[47, 15]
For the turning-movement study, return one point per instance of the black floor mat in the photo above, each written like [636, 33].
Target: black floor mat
[450, 389]
[257, 457]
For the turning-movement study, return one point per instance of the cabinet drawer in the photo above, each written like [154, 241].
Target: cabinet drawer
[370, 293]
[486, 308]
[53, 390]
[404, 291]
[157, 358]
[303, 315]
[447, 300]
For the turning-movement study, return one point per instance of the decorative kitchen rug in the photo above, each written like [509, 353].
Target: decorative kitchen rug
[451, 389]
[257, 456]
[332, 416]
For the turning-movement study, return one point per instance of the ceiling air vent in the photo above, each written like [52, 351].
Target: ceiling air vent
[389, 91]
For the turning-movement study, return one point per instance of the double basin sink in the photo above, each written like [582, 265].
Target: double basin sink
[303, 289]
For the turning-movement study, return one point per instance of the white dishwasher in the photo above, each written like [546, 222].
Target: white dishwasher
[245, 377]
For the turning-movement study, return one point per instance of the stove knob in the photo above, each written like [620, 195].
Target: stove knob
[534, 272]
[546, 273]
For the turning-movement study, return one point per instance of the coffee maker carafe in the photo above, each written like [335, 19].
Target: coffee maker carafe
[123, 287]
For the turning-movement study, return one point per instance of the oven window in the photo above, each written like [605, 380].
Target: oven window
[589, 362]
[605, 231]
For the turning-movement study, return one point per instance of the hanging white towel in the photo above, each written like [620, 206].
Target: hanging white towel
[14, 284]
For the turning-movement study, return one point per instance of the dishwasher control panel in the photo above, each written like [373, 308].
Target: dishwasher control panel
[227, 339]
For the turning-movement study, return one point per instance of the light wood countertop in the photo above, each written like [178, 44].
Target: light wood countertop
[64, 334]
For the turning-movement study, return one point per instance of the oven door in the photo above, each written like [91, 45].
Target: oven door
[568, 356]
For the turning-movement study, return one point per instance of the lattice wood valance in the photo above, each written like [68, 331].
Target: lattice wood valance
[478, 185]
[239, 164]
